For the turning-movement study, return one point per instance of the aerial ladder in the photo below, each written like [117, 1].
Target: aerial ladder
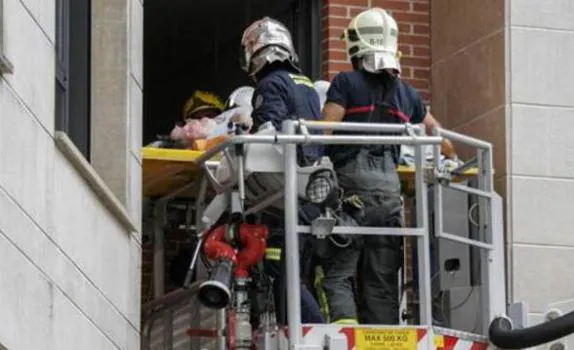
[250, 174]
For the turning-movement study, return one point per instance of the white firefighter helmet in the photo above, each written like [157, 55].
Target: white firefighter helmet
[372, 37]
[265, 41]
[322, 86]
[240, 97]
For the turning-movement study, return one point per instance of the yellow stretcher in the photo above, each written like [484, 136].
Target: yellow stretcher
[166, 170]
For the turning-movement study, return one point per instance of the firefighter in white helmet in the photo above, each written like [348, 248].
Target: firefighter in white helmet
[372, 92]
[269, 57]
[237, 110]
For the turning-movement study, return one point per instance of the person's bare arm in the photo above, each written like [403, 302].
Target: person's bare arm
[446, 147]
[430, 122]
[332, 112]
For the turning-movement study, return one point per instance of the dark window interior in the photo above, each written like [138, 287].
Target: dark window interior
[195, 44]
[73, 38]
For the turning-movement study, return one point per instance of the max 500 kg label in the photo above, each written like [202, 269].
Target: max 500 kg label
[385, 339]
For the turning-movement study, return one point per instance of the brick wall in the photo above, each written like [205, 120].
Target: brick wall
[414, 37]
[175, 241]
[147, 272]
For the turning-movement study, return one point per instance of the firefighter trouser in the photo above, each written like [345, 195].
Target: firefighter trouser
[275, 268]
[378, 258]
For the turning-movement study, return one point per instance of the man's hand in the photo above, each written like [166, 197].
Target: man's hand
[243, 119]
[447, 149]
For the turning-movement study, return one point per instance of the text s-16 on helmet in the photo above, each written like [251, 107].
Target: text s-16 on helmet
[372, 38]
[266, 41]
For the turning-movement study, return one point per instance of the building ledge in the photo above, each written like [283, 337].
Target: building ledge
[71, 152]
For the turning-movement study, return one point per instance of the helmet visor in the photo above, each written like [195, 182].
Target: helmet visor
[377, 61]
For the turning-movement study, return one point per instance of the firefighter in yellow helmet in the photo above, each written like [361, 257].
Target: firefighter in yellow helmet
[202, 104]
[197, 114]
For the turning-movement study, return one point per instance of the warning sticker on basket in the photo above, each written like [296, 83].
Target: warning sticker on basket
[385, 339]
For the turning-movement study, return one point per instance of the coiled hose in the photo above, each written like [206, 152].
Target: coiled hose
[503, 336]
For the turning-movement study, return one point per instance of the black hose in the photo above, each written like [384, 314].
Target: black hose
[503, 336]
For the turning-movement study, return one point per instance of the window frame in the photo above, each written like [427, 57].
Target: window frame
[6, 66]
[73, 72]
[308, 15]
[75, 136]
[303, 17]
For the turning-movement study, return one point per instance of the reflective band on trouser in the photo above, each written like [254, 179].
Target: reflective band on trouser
[273, 254]
[321, 295]
[346, 321]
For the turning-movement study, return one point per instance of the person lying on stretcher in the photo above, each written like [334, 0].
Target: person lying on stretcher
[203, 132]
[203, 122]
